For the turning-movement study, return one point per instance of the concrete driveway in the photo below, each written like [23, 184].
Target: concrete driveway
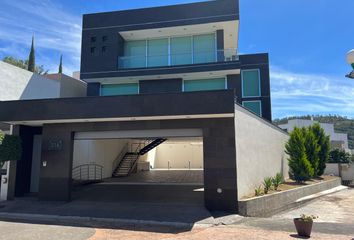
[336, 212]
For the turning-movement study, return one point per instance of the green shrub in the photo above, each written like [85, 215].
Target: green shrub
[267, 184]
[312, 149]
[258, 191]
[339, 156]
[10, 148]
[300, 167]
[277, 180]
[324, 145]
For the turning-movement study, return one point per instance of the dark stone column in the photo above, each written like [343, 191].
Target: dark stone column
[93, 89]
[56, 164]
[220, 166]
[220, 45]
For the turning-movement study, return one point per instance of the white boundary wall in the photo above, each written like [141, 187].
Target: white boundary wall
[260, 151]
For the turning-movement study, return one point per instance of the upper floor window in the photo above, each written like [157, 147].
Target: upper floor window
[254, 106]
[169, 51]
[104, 38]
[93, 39]
[251, 83]
[204, 84]
[119, 89]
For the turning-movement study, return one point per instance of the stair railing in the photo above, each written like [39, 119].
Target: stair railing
[120, 156]
[140, 146]
[88, 172]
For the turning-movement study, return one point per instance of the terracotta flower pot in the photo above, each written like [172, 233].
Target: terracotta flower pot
[303, 228]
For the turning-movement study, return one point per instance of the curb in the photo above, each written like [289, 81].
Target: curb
[92, 221]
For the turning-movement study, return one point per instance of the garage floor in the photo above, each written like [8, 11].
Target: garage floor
[160, 177]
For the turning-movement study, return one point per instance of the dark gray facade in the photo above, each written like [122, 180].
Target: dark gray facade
[105, 28]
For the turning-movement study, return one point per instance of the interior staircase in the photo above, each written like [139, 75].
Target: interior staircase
[130, 159]
[126, 165]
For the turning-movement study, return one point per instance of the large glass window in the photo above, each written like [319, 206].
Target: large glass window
[158, 52]
[204, 48]
[253, 106]
[204, 84]
[169, 51]
[119, 89]
[181, 50]
[251, 83]
[134, 54]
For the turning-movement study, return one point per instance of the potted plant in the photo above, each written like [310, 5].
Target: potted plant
[303, 225]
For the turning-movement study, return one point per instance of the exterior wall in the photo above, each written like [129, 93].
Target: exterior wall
[101, 152]
[178, 155]
[260, 151]
[160, 86]
[70, 87]
[347, 171]
[17, 83]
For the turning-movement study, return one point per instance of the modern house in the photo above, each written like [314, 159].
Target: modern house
[161, 82]
[338, 140]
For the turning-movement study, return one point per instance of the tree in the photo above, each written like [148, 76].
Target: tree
[300, 167]
[61, 64]
[32, 58]
[324, 144]
[16, 62]
[10, 148]
[312, 149]
[24, 64]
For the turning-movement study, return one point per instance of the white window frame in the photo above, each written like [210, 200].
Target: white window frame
[191, 79]
[259, 82]
[252, 101]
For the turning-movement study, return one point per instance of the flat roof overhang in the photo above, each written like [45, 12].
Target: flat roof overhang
[164, 16]
[231, 67]
[206, 104]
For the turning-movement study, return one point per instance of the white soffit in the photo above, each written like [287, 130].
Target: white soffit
[156, 133]
[121, 119]
[230, 32]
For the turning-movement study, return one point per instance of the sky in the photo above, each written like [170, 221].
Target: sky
[306, 40]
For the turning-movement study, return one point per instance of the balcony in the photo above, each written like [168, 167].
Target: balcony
[177, 59]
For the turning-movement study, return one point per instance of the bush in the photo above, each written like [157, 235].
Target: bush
[267, 183]
[258, 191]
[312, 149]
[277, 180]
[300, 167]
[324, 144]
[10, 148]
[339, 156]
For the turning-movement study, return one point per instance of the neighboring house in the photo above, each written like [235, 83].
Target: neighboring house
[19, 84]
[338, 140]
[154, 76]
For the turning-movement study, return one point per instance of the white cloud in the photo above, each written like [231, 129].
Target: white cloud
[299, 94]
[56, 31]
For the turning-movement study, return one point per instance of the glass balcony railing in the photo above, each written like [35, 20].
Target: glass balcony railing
[147, 61]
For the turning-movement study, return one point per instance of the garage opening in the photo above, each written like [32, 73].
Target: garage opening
[139, 166]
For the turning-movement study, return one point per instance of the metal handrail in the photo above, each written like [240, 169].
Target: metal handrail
[84, 172]
[219, 55]
[120, 156]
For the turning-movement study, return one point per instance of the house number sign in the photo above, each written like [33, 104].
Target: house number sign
[55, 145]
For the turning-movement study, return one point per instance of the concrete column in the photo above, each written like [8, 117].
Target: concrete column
[56, 163]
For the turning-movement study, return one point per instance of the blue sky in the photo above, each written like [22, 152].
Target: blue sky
[307, 42]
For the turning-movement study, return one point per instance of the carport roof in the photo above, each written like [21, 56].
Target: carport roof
[207, 104]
